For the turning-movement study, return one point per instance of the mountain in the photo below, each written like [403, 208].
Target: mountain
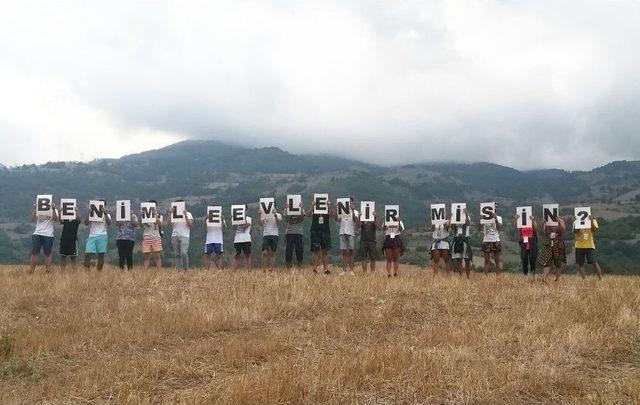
[204, 172]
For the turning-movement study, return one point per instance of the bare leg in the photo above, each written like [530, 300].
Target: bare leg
[236, 261]
[351, 263]
[100, 261]
[63, 262]
[467, 267]
[35, 259]
[325, 260]
[372, 265]
[447, 262]
[389, 253]
[598, 270]
[147, 259]
[396, 261]
[582, 272]
[264, 260]
[273, 261]
[158, 260]
[487, 259]
[314, 261]
[435, 256]
[48, 260]
[364, 265]
[249, 261]
[496, 257]
[73, 261]
[87, 261]
[207, 261]
[220, 261]
[558, 271]
[545, 274]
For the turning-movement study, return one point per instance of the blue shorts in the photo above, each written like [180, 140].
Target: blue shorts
[96, 244]
[39, 242]
[213, 248]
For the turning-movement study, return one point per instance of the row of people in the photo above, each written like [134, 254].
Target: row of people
[443, 249]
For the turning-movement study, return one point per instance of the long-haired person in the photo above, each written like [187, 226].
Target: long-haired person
[528, 246]
[553, 251]
[393, 247]
[125, 241]
[97, 240]
[440, 247]
[152, 239]
[461, 246]
[42, 238]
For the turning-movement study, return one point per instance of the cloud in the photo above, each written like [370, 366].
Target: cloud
[527, 84]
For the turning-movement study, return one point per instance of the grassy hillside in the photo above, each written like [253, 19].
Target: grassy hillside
[254, 338]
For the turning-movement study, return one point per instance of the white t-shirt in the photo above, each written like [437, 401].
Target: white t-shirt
[270, 227]
[181, 228]
[243, 235]
[440, 232]
[214, 234]
[491, 233]
[152, 231]
[44, 225]
[347, 226]
[394, 230]
[458, 228]
[99, 228]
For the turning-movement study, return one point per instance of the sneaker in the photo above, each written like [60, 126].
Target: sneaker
[327, 271]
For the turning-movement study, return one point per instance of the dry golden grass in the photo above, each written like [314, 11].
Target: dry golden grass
[239, 338]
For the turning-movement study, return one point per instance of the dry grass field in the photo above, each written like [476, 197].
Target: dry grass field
[294, 338]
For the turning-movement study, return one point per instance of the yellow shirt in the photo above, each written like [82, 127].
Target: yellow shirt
[584, 237]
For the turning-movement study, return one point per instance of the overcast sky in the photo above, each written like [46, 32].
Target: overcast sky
[529, 84]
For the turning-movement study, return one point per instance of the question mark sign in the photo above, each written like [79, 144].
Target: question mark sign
[583, 216]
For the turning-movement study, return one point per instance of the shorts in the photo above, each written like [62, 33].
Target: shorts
[588, 253]
[39, 242]
[96, 244]
[270, 243]
[368, 249]
[320, 240]
[68, 247]
[347, 242]
[242, 247]
[216, 248]
[553, 254]
[150, 245]
[440, 245]
[491, 247]
[392, 243]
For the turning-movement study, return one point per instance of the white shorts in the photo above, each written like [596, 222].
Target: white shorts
[441, 245]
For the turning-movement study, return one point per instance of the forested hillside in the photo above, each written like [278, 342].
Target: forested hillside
[205, 172]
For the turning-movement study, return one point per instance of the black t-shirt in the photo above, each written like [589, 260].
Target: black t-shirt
[320, 222]
[368, 232]
[70, 230]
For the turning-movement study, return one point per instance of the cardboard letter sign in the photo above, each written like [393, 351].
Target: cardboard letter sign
[457, 213]
[392, 215]
[43, 205]
[343, 207]
[293, 204]
[238, 214]
[524, 221]
[123, 210]
[438, 214]
[177, 211]
[550, 214]
[68, 209]
[94, 211]
[214, 216]
[486, 212]
[148, 212]
[367, 210]
[582, 220]
[322, 204]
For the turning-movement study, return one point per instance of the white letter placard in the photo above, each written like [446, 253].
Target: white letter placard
[486, 212]
[238, 214]
[550, 214]
[525, 213]
[214, 216]
[68, 209]
[392, 215]
[148, 212]
[343, 207]
[94, 211]
[457, 213]
[293, 204]
[438, 214]
[43, 205]
[582, 220]
[367, 211]
[123, 210]
[321, 204]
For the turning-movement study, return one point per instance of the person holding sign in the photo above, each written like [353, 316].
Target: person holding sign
[125, 241]
[98, 219]
[69, 240]
[181, 221]
[491, 224]
[392, 245]
[151, 234]
[320, 231]
[346, 215]
[270, 235]
[214, 242]
[553, 251]
[44, 214]
[242, 241]
[440, 233]
[461, 246]
[586, 248]
[294, 242]
[528, 244]
[368, 248]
